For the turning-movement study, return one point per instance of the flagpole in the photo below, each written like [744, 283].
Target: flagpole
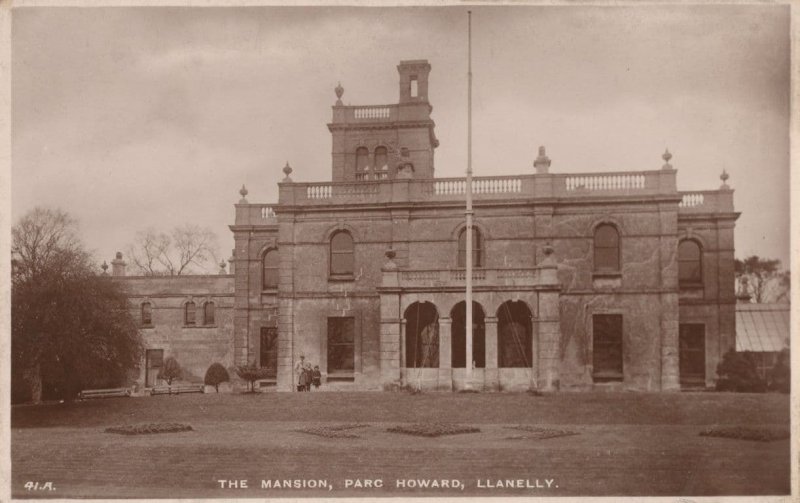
[468, 317]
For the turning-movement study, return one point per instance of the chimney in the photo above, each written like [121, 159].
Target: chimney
[118, 265]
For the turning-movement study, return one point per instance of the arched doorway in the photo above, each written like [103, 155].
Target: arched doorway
[422, 335]
[459, 335]
[514, 344]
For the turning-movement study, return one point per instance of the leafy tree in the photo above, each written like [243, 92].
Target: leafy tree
[737, 372]
[780, 376]
[762, 279]
[70, 327]
[181, 251]
[170, 371]
[251, 373]
[215, 375]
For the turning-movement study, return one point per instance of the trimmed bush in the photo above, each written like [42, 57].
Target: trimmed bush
[251, 374]
[215, 375]
[737, 372]
[335, 431]
[170, 371]
[780, 377]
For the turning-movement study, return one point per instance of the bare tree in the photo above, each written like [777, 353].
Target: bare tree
[184, 250]
[765, 281]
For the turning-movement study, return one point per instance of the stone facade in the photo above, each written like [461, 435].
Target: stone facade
[578, 282]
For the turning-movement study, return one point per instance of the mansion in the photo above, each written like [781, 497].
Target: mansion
[582, 281]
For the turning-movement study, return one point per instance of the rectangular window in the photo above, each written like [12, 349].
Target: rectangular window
[189, 314]
[208, 313]
[414, 86]
[269, 350]
[147, 314]
[607, 347]
[692, 354]
[341, 346]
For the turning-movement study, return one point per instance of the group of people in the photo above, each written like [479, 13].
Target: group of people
[306, 375]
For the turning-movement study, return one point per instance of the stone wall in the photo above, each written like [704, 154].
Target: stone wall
[195, 347]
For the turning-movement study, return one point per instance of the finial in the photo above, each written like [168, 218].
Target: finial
[222, 267]
[339, 92]
[287, 170]
[119, 255]
[243, 192]
[666, 156]
[104, 267]
[542, 162]
[724, 177]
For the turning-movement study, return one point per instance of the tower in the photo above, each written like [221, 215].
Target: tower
[380, 142]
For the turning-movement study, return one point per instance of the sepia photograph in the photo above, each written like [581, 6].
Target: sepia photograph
[358, 251]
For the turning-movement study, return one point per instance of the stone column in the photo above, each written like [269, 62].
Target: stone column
[390, 323]
[670, 371]
[549, 332]
[403, 356]
[492, 380]
[445, 381]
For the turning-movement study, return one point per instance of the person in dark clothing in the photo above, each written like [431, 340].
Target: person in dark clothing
[316, 377]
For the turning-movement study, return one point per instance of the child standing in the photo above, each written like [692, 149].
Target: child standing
[316, 377]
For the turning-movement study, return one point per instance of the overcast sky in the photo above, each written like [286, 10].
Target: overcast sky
[130, 118]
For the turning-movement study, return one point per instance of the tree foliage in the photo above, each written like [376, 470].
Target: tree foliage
[251, 373]
[780, 377]
[215, 375]
[170, 371]
[71, 328]
[762, 279]
[184, 250]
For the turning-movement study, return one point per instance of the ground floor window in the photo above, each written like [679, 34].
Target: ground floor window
[422, 335]
[607, 347]
[154, 360]
[692, 354]
[341, 346]
[268, 353]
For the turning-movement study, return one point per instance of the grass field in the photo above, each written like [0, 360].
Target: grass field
[626, 444]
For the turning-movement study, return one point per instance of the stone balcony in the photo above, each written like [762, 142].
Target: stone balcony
[543, 276]
[706, 201]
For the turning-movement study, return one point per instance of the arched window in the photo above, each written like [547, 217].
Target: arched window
[606, 248]
[362, 159]
[269, 270]
[208, 313]
[147, 313]
[690, 263]
[381, 159]
[458, 341]
[514, 341]
[422, 335]
[342, 261]
[477, 248]
[189, 313]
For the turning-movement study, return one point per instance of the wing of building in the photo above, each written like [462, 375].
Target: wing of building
[581, 281]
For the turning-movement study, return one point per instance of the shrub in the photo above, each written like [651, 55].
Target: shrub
[737, 372]
[251, 374]
[432, 429]
[215, 375]
[332, 431]
[141, 429]
[170, 371]
[780, 377]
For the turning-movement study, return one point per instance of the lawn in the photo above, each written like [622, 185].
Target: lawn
[606, 444]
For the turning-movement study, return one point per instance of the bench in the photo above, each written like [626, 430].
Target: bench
[104, 393]
[177, 389]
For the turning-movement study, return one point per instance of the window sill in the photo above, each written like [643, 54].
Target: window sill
[147, 326]
[607, 274]
[607, 377]
[270, 289]
[690, 286]
[341, 277]
[200, 326]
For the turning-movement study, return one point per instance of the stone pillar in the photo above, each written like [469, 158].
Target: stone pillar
[403, 356]
[549, 332]
[670, 370]
[492, 380]
[118, 265]
[390, 323]
[445, 354]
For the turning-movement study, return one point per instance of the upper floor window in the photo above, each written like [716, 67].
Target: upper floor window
[690, 263]
[342, 259]
[147, 313]
[606, 248]
[381, 158]
[189, 313]
[269, 270]
[477, 248]
[362, 159]
[208, 313]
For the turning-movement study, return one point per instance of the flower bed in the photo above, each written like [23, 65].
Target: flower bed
[537, 433]
[143, 429]
[746, 433]
[432, 429]
[334, 431]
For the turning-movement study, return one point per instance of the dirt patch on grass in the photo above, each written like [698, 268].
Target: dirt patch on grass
[432, 430]
[746, 433]
[537, 433]
[148, 428]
